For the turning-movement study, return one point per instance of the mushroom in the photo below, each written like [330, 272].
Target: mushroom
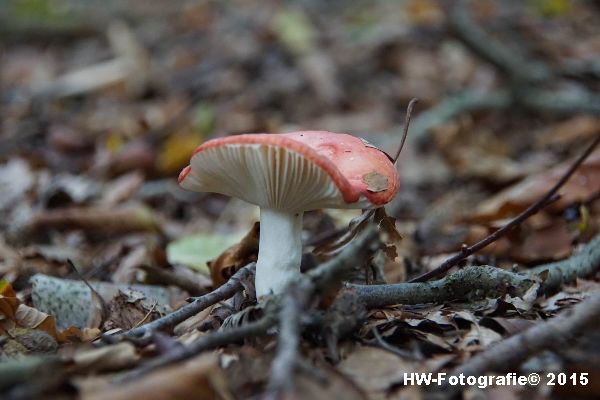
[285, 175]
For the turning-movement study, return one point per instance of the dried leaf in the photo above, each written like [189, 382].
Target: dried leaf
[16, 179]
[108, 358]
[376, 182]
[355, 226]
[71, 303]
[199, 378]
[29, 317]
[582, 186]
[235, 257]
[8, 301]
[374, 369]
[129, 309]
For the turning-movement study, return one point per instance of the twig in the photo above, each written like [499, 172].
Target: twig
[380, 342]
[93, 293]
[200, 303]
[208, 342]
[465, 284]
[293, 303]
[333, 271]
[484, 281]
[409, 111]
[510, 352]
[531, 210]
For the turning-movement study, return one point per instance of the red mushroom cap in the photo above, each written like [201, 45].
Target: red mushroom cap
[332, 170]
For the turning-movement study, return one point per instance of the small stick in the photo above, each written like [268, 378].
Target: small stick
[409, 111]
[93, 292]
[548, 198]
[199, 304]
[284, 364]
[381, 343]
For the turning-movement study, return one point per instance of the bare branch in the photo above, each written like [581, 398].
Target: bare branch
[200, 303]
[484, 281]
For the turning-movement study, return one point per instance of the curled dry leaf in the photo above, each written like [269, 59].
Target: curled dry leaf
[130, 308]
[30, 317]
[235, 257]
[14, 314]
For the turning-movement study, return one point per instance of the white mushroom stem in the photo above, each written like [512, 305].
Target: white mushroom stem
[280, 250]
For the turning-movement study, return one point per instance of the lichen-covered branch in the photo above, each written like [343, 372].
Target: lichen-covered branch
[483, 281]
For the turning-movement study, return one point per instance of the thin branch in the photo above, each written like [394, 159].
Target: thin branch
[510, 352]
[335, 270]
[381, 343]
[477, 282]
[208, 342]
[293, 302]
[232, 286]
[409, 111]
[531, 210]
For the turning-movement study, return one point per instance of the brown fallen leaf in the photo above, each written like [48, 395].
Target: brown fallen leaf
[8, 301]
[375, 370]
[130, 308]
[108, 358]
[235, 257]
[13, 314]
[199, 378]
[583, 185]
[30, 317]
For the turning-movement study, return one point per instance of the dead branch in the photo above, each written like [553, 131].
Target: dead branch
[465, 284]
[208, 342]
[548, 198]
[200, 303]
[335, 270]
[512, 351]
[293, 302]
[478, 282]
[585, 263]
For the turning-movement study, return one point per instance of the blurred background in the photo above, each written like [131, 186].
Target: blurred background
[103, 103]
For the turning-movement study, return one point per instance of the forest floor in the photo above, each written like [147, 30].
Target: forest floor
[102, 106]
